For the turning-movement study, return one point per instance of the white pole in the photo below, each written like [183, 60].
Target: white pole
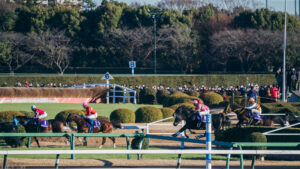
[208, 140]
[284, 58]
[107, 95]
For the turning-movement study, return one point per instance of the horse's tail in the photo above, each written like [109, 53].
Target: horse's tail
[116, 124]
[72, 127]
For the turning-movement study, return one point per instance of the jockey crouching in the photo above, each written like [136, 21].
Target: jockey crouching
[38, 115]
[90, 114]
[202, 111]
[255, 109]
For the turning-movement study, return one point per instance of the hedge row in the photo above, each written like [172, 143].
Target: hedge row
[165, 80]
[52, 92]
[241, 134]
[281, 107]
[6, 120]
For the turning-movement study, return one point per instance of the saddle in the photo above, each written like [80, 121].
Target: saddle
[95, 123]
[41, 123]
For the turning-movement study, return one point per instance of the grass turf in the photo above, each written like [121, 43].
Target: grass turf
[53, 108]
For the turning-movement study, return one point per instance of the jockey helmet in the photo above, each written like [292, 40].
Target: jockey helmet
[200, 101]
[33, 107]
[195, 102]
[84, 104]
[251, 100]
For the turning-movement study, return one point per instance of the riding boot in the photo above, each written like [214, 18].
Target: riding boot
[91, 124]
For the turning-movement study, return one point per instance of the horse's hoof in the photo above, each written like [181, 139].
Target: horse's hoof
[100, 147]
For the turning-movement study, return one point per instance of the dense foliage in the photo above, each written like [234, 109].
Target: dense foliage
[123, 115]
[148, 114]
[104, 38]
[212, 99]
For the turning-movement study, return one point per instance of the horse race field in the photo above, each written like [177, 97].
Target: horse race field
[53, 108]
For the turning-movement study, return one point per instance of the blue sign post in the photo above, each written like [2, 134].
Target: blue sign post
[132, 65]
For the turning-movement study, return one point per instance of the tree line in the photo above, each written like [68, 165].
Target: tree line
[189, 40]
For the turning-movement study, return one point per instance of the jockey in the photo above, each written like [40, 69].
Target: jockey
[201, 109]
[38, 114]
[90, 114]
[254, 108]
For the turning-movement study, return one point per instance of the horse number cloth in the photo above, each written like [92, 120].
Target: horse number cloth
[95, 122]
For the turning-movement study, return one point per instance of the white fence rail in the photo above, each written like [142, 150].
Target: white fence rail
[177, 151]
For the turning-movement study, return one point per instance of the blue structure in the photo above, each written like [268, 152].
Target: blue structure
[114, 88]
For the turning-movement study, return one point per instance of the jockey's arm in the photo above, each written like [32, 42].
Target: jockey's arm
[250, 107]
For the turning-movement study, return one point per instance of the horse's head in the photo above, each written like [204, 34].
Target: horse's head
[69, 118]
[181, 113]
[291, 118]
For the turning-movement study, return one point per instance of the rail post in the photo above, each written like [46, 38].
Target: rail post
[5, 161]
[208, 140]
[57, 161]
[128, 147]
[114, 94]
[253, 162]
[228, 158]
[85, 141]
[29, 142]
[241, 158]
[72, 142]
[141, 140]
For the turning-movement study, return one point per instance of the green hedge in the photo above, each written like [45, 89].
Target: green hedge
[167, 112]
[190, 104]
[147, 96]
[178, 97]
[62, 116]
[236, 134]
[147, 114]
[161, 94]
[123, 115]
[211, 99]
[165, 80]
[7, 116]
[281, 107]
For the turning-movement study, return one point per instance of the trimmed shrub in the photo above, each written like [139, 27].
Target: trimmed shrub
[193, 93]
[28, 114]
[189, 104]
[178, 97]
[147, 114]
[257, 137]
[100, 118]
[62, 116]
[242, 101]
[135, 143]
[167, 112]
[7, 116]
[281, 107]
[123, 115]
[212, 99]
[236, 134]
[147, 96]
[161, 94]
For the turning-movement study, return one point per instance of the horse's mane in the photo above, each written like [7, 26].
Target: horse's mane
[184, 110]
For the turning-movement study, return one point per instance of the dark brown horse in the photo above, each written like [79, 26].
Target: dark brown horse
[245, 118]
[106, 127]
[31, 126]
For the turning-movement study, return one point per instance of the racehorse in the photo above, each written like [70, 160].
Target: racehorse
[31, 126]
[192, 122]
[245, 118]
[7, 127]
[82, 127]
[291, 118]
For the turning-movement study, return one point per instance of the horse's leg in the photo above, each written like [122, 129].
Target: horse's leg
[180, 131]
[192, 132]
[37, 142]
[19, 141]
[103, 142]
[113, 140]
